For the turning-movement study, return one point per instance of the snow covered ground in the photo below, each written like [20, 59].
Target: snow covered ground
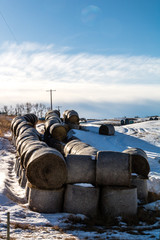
[144, 135]
[26, 224]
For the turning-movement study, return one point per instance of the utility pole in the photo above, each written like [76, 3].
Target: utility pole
[59, 108]
[50, 95]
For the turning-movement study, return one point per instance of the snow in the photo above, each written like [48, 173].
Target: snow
[84, 185]
[144, 135]
[154, 206]
[26, 224]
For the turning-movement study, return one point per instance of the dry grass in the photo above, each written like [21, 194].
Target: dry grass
[23, 226]
[5, 123]
[5, 237]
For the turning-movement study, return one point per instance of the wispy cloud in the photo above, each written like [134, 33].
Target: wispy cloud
[77, 77]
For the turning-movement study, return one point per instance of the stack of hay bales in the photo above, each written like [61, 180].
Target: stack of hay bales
[43, 168]
[81, 194]
[54, 125]
[79, 179]
[113, 175]
[141, 168]
[121, 189]
[46, 174]
[23, 134]
[102, 184]
[71, 118]
[110, 172]
[56, 128]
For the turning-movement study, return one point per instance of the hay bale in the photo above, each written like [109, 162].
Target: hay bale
[23, 179]
[32, 118]
[82, 199]
[113, 168]
[29, 149]
[107, 129]
[58, 131]
[87, 151]
[142, 189]
[15, 123]
[75, 146]
[69, 146]
[46, 169]
[139, 159]
[81, 169]
[118, 201]
[45, 201]
[71, 116]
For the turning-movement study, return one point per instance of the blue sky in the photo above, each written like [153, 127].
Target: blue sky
[101, 56]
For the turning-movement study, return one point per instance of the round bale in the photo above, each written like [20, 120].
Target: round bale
[45, 201]
[46, 169]
[107, 129]
[81, 169]
[113, 168]
[139, 159]
[81, 199]
[118, 201]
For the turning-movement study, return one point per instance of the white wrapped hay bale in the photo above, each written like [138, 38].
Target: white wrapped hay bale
[82, 199]
[45, 201]
[113, 168]
[118, 201]
[81, 169]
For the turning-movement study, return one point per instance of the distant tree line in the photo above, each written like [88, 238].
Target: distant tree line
[20, 109]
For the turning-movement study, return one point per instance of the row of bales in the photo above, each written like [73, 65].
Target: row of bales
[62, 174]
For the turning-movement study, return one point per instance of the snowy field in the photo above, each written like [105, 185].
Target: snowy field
[26, 224]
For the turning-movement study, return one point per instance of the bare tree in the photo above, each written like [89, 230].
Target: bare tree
[42, 110]
[36, 108]
[5, 109]
[28, 107]
[21, 109]
[39, 109]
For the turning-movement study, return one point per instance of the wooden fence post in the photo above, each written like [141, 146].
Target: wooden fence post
[8, 225]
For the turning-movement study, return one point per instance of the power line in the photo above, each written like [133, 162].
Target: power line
[9, 28]
[50, 95]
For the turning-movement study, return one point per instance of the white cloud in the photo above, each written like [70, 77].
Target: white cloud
[29, 69]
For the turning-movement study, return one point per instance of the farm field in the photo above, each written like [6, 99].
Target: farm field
[26, 224]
